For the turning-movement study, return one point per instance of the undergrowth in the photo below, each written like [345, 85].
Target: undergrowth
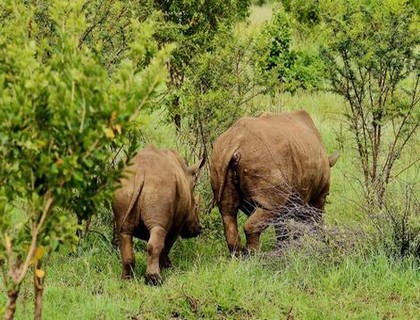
[206, 282]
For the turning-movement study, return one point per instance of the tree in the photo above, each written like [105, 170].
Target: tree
[220, 87]
[192, 25]
[221, 84]
[107, 30]
[60, 111]
[294, 69]
[372, 61]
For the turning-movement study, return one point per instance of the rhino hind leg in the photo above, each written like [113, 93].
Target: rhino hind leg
[233, 240]
[254, 226]
[229, 206]
[165, 262]
[127, 256]
[155, 246]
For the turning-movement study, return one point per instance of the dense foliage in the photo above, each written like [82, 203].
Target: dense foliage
[294, 69]
[372, 61]
[193, 25]
[60, 111]
[220, 87]
[307, 12]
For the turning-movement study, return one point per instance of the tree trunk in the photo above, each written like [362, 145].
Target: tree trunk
[11, 304]
[176, 79]
[38, 302]
[176, 114]
[39, 290]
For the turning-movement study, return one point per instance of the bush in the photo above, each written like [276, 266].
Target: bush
[61, 110]
[294, 69]
[372, 61]
[398, 225]
[306, 12]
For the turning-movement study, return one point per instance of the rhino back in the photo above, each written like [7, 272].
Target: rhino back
[165, 196]
[279, 154]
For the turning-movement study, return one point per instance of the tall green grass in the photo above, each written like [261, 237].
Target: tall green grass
[206, 283]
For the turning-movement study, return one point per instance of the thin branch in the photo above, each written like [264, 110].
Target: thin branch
[391, 154]
[36, 227]
[93, 26]
[116, 155]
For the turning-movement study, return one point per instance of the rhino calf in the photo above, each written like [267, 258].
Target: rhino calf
[264, 166]
[155, 203]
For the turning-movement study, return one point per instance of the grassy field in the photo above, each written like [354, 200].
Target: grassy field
[205, 282]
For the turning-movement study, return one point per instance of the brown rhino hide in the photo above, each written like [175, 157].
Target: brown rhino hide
[264, 165]
[155, 203]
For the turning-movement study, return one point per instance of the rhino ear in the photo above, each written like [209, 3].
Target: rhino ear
[332, 159]
[194, 170]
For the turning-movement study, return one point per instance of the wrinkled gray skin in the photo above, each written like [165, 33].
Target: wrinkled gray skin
[261, 165]
[155, 203]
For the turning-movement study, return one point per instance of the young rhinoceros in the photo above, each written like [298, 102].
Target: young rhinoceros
[155, 203]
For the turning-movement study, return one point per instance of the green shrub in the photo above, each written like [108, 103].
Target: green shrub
[61, 110]
[372, 61]
[294, 69]
[306, 12]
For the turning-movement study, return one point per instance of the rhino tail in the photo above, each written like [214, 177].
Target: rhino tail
[230, 158]
[332, 159]
[137, 191]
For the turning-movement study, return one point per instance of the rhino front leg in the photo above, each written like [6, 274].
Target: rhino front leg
[155, 246]
[254, 226]
[127, 256]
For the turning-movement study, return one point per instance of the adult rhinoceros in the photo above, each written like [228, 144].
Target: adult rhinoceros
[155, 203]
[264, 165]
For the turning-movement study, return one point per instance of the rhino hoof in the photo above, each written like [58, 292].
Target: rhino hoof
[153, 280]
[247, 252]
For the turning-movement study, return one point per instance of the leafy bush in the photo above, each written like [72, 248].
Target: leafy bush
[372, 61]
[294, 69]
[193, 25]
[306, 12]
[398, 225]
[60, 111]
[220, 85]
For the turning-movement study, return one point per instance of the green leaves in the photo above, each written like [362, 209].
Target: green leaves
[73, 76]
[371, 60]
[293, 69]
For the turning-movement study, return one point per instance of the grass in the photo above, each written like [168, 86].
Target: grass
[206, 283]
[261, 14]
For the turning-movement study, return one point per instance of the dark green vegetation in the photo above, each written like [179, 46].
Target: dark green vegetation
[84, 84]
